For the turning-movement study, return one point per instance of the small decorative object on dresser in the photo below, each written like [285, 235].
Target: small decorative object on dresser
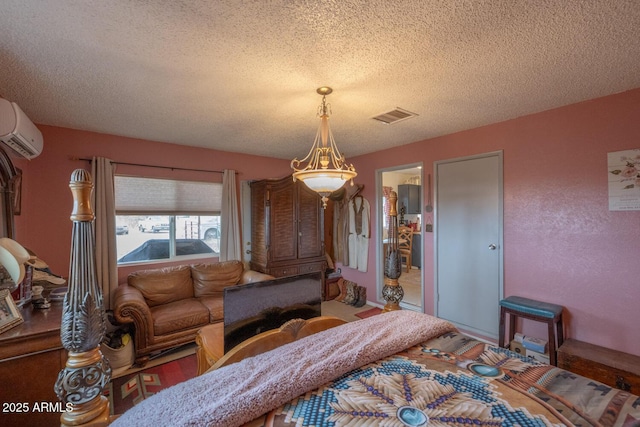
[9, 314]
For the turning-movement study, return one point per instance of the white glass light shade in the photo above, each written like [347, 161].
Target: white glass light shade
[324, 181]
[324, 153]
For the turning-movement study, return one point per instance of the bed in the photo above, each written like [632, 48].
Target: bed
[394, 369]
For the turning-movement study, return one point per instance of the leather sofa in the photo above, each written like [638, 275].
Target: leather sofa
[168, 306]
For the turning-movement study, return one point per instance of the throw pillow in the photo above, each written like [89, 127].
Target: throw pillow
[351, 292]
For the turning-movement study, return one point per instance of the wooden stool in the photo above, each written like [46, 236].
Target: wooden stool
[551, 314]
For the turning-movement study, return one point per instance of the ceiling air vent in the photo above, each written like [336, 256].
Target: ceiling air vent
[394, 116]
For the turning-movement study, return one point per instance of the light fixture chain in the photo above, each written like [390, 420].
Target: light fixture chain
[324, 109]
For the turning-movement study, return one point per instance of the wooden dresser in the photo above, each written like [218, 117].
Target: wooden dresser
[287, 228]
[611, 367]
[31, 356]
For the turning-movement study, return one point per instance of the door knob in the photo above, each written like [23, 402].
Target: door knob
[248, 251]
[492, 247]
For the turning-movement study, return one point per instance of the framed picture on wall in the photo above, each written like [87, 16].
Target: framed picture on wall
[9, 314]
[624, 180]
[16, 191]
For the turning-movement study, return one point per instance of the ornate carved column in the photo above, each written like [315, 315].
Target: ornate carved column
[392, 292]
[81, 383]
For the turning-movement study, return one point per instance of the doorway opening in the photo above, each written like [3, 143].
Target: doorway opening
[407, 181]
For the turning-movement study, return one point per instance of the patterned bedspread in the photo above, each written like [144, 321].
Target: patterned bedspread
[454, 380]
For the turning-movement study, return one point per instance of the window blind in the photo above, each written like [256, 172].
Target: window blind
[165, 196]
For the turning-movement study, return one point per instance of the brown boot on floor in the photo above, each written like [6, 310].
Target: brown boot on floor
[362, 297]
[343, 290]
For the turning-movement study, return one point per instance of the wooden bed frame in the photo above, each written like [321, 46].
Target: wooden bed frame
[210, 340]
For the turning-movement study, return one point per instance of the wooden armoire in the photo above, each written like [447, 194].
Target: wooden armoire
[287, 228]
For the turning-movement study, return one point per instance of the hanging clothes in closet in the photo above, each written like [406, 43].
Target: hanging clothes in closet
[342, 199]
[359, 232]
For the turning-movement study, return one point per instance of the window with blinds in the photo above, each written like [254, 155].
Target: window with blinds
[163, 219]
[166, 196]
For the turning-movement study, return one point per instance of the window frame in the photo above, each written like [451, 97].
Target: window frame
[173, 215]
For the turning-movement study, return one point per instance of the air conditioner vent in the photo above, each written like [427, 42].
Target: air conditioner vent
[394, 116]
[20, 147]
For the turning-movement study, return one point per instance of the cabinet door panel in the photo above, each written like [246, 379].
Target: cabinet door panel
[416, 250]
[283, 242]
[409, 197]
[309, 228]
[30, 379]
[259, 229]
[414, 199]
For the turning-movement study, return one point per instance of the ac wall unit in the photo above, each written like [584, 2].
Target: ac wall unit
[18, 132]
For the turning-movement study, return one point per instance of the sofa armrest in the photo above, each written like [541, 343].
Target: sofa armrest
[252, 276]
[129, 303]
[130, 307]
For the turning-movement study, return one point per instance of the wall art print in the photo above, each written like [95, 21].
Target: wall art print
[624, 180]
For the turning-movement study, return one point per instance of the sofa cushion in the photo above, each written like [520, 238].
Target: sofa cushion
[211, 279]
[179, 315]
[214, 305]
[252, 276]
[163, 285]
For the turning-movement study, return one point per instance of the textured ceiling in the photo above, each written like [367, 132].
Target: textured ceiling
[241, 75]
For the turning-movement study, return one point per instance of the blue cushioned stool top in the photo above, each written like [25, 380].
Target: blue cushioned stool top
[533, 307]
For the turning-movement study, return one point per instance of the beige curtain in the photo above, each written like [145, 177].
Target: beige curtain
[103, 201]
[230, 248]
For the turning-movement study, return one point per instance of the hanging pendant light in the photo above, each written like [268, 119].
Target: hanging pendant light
[326, 170]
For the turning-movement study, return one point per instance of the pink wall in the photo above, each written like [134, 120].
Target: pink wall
[44, 225]
[561, 242]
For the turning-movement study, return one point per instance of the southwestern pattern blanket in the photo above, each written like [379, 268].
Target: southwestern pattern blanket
[457, 380]
[394, 369]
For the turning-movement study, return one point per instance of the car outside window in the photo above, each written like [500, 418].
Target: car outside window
[147, 238]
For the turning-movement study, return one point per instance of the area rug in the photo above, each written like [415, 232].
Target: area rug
[369, 313]
[129, 390]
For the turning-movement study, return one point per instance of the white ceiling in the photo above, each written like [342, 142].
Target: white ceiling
[241, 75]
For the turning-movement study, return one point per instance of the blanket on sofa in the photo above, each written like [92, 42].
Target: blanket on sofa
[239, 393]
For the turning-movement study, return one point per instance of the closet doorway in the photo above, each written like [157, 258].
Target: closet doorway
[407, 181]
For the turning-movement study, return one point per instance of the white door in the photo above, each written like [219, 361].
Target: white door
[468, 233]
